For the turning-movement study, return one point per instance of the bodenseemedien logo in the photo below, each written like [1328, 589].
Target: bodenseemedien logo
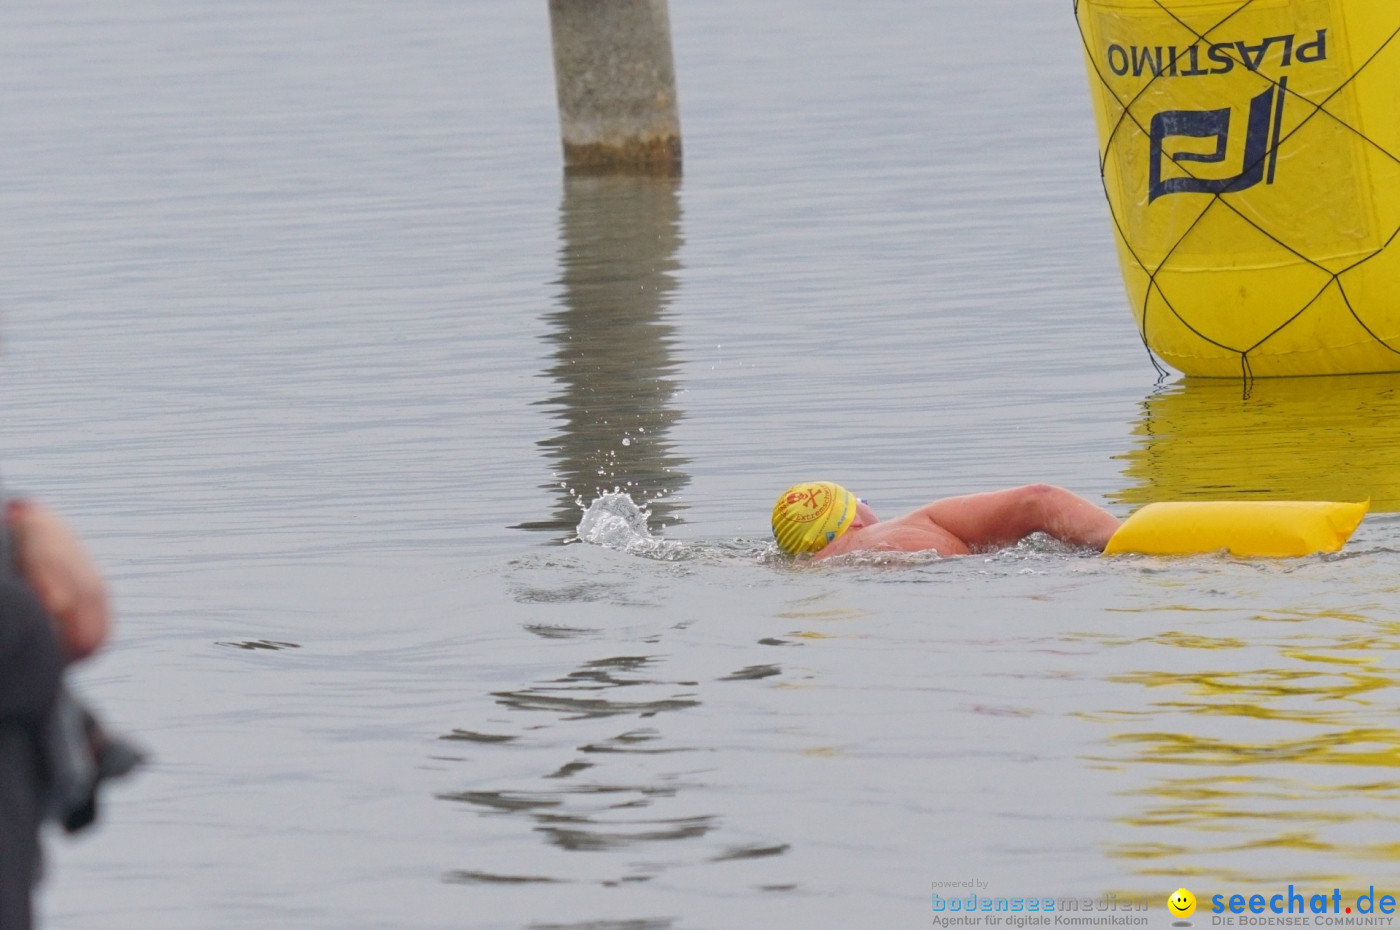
[972, 904]
[1022, 911]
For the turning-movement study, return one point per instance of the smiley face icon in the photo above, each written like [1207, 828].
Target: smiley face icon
[1182, 903]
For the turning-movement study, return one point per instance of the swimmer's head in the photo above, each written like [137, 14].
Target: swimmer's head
[809, 516]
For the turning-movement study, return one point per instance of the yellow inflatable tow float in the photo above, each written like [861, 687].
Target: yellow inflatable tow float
[1271, 529]
[1250, 153]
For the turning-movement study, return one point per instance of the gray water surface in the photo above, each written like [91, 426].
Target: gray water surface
[308, 334]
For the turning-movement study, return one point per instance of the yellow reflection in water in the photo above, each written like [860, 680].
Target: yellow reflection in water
[1261, 758]
[1332, 438]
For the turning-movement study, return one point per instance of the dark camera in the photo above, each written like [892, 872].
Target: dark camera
[79, 755]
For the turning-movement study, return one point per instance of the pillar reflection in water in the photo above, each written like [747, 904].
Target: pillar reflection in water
[1331, 438]
[613, 361]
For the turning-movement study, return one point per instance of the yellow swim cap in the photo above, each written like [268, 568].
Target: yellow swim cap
[809, 516]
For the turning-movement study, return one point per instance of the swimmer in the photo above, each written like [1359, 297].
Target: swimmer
[824, 518]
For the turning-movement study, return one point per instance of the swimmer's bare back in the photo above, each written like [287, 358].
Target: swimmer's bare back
[915, 532]
[981, 522]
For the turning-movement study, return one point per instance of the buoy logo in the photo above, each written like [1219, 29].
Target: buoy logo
[1260, 148]
[1181, 903]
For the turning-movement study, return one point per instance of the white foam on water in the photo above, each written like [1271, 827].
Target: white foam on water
[615, 521]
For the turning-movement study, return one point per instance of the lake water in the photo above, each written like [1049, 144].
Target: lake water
[309, 336]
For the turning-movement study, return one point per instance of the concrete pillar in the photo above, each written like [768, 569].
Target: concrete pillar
[616, 81]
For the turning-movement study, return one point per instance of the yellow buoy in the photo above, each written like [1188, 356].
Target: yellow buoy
[1273, 529]
[1250, 152]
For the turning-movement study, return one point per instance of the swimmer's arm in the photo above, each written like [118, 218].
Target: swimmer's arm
[1003, 518]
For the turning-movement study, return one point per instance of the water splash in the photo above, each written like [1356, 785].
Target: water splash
[615, 521]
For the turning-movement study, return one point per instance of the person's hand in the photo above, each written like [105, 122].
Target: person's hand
[51, 559]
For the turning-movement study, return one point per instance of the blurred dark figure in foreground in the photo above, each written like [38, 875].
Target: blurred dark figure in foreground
[53, 752]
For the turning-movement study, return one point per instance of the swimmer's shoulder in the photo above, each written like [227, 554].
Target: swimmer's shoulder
[915, 532]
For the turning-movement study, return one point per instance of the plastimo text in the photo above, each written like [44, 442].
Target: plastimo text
[1217, 58]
